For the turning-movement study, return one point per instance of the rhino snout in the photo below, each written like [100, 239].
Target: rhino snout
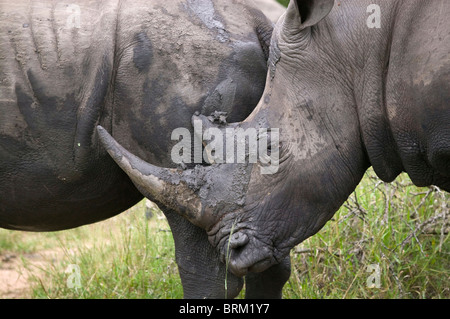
[247, 254]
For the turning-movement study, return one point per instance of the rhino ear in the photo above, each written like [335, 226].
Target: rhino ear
[302, 14]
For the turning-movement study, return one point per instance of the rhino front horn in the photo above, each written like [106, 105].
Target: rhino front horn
[170, 187]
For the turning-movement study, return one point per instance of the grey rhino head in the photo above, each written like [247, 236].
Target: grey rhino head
[254, 219]
[317, 81]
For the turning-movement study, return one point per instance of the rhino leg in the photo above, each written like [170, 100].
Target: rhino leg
[202, 274]
[269, 283]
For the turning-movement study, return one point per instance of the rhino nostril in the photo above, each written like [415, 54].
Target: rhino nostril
[238, 240]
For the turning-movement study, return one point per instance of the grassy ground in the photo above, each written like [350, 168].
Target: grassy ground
[391, 236]
[123, 257]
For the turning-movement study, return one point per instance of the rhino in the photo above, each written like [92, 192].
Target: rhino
[138, 68]
[351, 85]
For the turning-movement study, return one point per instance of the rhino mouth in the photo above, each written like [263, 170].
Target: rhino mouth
[251, 257]
[240, 247]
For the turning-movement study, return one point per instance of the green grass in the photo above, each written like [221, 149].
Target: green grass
[284, 2]
[126, 257]
[400, 228]
[123, 257]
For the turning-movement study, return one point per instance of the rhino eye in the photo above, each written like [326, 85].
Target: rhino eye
[268, 142]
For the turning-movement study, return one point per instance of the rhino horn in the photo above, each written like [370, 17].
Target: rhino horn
[169, 187]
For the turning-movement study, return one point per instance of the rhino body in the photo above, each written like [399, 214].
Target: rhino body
[350, 85]
[138, 68]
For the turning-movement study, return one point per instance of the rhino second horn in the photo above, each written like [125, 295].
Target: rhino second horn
[163, 185]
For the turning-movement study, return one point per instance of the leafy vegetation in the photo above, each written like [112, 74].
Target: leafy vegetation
[396, 233]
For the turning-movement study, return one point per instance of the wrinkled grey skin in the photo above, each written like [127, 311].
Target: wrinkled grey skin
[138, 68]
[345, 97]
